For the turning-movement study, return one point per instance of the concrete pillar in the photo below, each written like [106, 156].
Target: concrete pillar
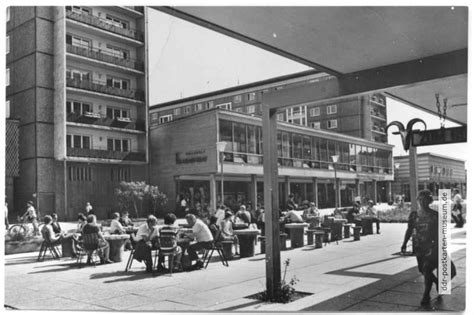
[389, 191]
[413, 178]
[213, 195]
[315, 191]
[358, 187]
[287, 187]
[253, 191]
[374, 189]
[337, 187]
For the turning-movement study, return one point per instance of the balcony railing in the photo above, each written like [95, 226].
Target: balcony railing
[99, 87]
[138, 9]
[103, 24]
[104, 154]
[257, 159]
[100, 55]
[103, 120]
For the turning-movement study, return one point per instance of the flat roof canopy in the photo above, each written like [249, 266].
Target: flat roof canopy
[343, 41]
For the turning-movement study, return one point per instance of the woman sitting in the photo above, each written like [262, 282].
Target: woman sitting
[115, 225]
[48, 233]
[168, 243]
[227, 232]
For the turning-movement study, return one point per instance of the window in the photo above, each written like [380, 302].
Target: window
[210, 104]
[187, 109]
[7, 109]
[120, 174]
[237, 98]
[120, 145]
[177, 111]
[198, 107]
[117, 113]
[79, 173]
[77, 74]
[79, 10]
[166, 118]
[8, 45]
[78, 141]
[8, 14]
[315, 111]
[77, 107]
[332, 124]
[316, 125]
[154, 116]
[251, 109]
[296, 115]
[225, 106]
[118, 83]
[331, 109]
[116, 22]
[7, 78]
[77, 41]
[118, 52]
[239, 109]
[251, 96]
[280, 117]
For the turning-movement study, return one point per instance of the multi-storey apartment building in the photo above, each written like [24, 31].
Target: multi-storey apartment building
[363, 116]
[77, 83]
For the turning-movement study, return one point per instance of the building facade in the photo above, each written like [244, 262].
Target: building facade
[77, 83]
[434, 172]
[185, 163]
[364, 116]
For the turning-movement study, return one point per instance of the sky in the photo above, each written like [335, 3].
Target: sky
[187, 60]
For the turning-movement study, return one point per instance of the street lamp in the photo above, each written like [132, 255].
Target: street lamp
[221, 148]
[335, 158]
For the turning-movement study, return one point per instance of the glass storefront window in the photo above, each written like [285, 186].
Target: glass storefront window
[307, 148]
[239, 138]
[252, 139]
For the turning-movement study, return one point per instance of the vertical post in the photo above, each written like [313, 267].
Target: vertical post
[413, 178]
[315, 191]
[374, 187]
[287, 187]
[253, 191]
[221, 159]
[213, 197]
[358, 187]
[272, 228]
[389, 190]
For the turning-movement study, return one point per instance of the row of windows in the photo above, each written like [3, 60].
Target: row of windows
[247, 139]
[84, 142]
[111, 81]
[78, 41]
[81, 108]
[86, 174]
[109, 19]
[441, 171]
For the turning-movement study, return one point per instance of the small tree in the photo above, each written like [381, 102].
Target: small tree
[132, 195]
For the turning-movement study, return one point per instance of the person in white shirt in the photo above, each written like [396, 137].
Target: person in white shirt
[203, 237]
[293, 217]
[115, 226]
[30, 215]
[220, 214]
[227, 232]
[146, 237]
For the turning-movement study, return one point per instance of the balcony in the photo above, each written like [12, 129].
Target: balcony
[102, 120]
[108, 155]
[99, 87]
[103, 24]
[99, 55]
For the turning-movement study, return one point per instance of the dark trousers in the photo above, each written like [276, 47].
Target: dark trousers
[143, 252]
[192, 249]
[377, 223]
[458, 219]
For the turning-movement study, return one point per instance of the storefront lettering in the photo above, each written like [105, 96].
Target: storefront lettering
[196, 156]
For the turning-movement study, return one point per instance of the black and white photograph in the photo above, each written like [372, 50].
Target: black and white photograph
[235, 158]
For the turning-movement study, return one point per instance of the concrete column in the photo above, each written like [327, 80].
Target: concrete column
[425, 185]
[287, 187]
[253, 191]
[213, 195]
[358, 187]
[315, 191]
[413, 178]
[337, 188]
[374, 189]
[389, 191]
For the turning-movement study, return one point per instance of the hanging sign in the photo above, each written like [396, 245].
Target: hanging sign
[439, 136]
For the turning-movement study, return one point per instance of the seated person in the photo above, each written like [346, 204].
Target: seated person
[55, 224]
[145, 239]
[370, 211]
[227, 233]
[91, 227]
[293, 217]
[290, 203]
[220, 213]
[261, 221]
[244, 215]
[312, 211]
[353, 212]
[213, 226]
[115, 226]
[48, 233]
[170, 229]
[81, 221]
[203, 237]
[338, 214]
[125, 220]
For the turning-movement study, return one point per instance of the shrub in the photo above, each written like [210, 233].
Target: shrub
[285, 292]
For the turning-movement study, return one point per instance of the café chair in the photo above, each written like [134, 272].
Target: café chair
[167, 248]
[89, 247]
[47, 245]
[216, 246]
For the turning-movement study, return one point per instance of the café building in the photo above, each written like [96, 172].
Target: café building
[194, 157]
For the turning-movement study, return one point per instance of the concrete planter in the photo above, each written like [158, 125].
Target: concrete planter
[16, 247]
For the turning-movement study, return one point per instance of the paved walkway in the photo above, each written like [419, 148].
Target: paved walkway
[366, 275]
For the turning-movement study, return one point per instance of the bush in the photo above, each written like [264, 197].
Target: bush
[135, 195]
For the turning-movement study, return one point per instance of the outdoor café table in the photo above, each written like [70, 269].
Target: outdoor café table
[246, 241]
[367, 226]
[116, 243]
[239, 226]
[313, 221]
[336, 229]
[296, 233]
